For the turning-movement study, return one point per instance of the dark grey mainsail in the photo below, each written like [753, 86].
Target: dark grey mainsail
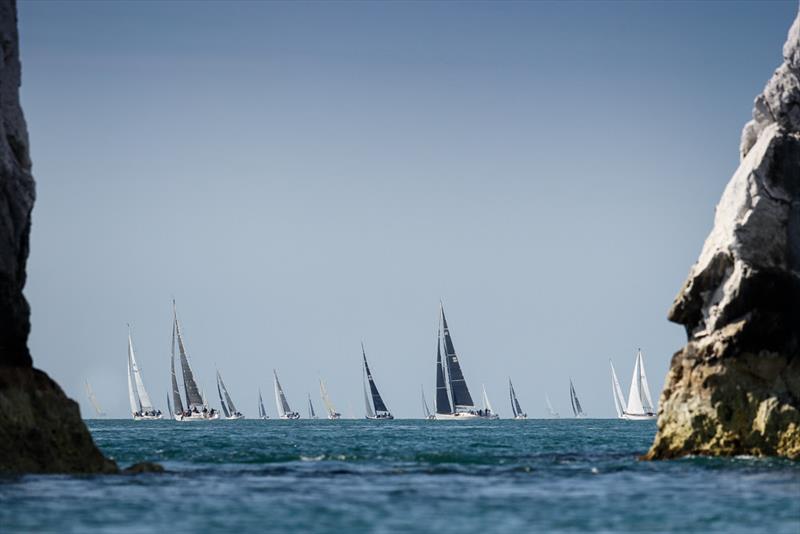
[228, 399]
[377, 401]
[193, 397]
[515, 407]
[169, 407]
[573, 397]
[176, 392]
[221, 401]
[442, 400]
[458, 385]
[280, 397]
[261, 411]
[311, 413]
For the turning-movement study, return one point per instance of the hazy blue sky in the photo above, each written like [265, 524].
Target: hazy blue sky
[302, 176]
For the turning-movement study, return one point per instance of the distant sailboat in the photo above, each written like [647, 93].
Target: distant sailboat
[550, 409]
[640, 405]
[93, 400]
[284, 412]
[326, 400]
[262, 413]
[311, 413]
[376, 408]
[225, 400]
[196, 407]
[463, 407]
[425, 410]
[488, 413]
[576, 404]
[141, 406]
[515, 407]
[169, 408]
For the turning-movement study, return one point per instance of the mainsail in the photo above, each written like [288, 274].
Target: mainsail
[367, 402]
[639, 401]
[262, 413]
[228, 400]
[576, 404]
[221, 400]
[131, 395]
[514, 402]
[193, 397]
[280, 398]
[458, 385]
[487, 406]
[145, 405]
[442, 400]
[93, 400]
[616, 390]
[377, 401]
[311, 413]
[176, 392]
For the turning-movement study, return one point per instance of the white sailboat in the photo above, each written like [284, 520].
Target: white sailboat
[375, 407]
[262, 413]
[196, 407]
[487, 411]
[577, 411]
[516, 409]
[284, 411]
[141, 406]
[226, 402]
[93, 400]
[640, 405]
[550, 410]
[326, 400]
[463, 407]
[425, 410]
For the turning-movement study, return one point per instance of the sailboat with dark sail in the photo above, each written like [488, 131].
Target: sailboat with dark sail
[515, 407]
[311, 413]
[262, 413]
[640, 405]
[326, 400]
[196, 407]
[141, 406]
[284, 412]
[576, 404]
[462, 405]
[376, 408]
[226, 402]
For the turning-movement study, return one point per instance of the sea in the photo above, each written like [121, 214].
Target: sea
[554, 475]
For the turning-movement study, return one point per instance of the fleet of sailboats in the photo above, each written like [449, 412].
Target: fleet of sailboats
[452, 400]
[376, 408]
[640, 405]
[326, 400]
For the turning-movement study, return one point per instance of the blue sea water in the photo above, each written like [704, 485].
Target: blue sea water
[560, 475]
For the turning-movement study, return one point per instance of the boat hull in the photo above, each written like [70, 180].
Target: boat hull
[381, 417]
[521, 416]
[463, 416]
[290, 416]
[638, 416]
[147, 417]
[197, 417]
[234, 417]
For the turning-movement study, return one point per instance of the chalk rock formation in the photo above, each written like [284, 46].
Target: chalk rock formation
[735, 386]
[40, 428]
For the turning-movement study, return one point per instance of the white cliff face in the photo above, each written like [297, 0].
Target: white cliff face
[735, 387]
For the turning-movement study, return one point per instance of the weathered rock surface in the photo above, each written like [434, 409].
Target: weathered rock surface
[735, 387]
[40, 427]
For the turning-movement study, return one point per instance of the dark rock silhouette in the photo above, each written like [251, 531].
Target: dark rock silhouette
[735, 387]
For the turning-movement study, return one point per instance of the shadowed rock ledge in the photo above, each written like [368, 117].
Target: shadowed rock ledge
[41, 430]
[735, 386]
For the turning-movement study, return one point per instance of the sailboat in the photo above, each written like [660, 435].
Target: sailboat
[228, 408]
[141, 406]
[428, 415]
[323, 391]
[515, 408]
[284, 412]
[640, 405]
[550, 410]
[463, 407]
[311, 413]
[196, 407]
[262, 413]
[93, 400]
[576, 404]
[169, 408]
[487, 406]
[376, 408]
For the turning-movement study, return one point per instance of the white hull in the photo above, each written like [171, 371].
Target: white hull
[638, 416]
[521, 416]
[381, 417]
[463, 416]
[335, 416]
[430, 418]
[147, 417]
[197, 417]
[234, 417]
[289, 416]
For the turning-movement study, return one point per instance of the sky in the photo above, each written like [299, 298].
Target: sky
[303, 176]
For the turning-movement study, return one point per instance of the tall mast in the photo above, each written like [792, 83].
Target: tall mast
[458, 385]
[193, 397]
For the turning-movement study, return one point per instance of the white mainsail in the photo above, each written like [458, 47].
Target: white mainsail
[144, 399]
[487, 406]
[280, 398]
[326, 399]
[619, 398]
[131, 395]
[93, 400]
[635, 405]
[550, 409]
[367, 399]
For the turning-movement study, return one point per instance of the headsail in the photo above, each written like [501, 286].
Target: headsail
[228, 399]
[514, 401]
[193, 397]
[635, 404]
[647, 402]
[169, 408]
[487, 406]
[458, 385]
[261, 411]
[442, 400]
[367, 400]
[576, 404]
[145, 404]
[280, 398]
[377, 401]
[425, 408]
[616, 390]
[221, 400]
[176, 392]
